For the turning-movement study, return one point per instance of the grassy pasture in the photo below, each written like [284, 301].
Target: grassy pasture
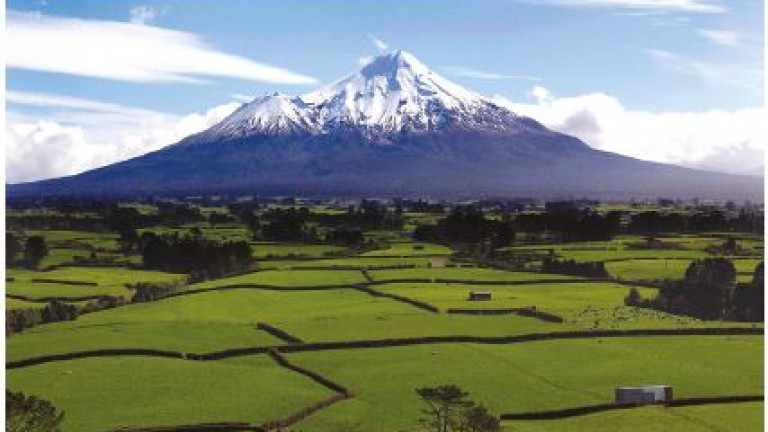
[411, 248]
[91, 332]
[110, 393]
[363, 262]
[219, 320]
[289, 278]
[106, 241]
[532, 376]
[544, 296]
[261, 250]
[739, 417]
[468, 273]
[648, 270]
[110, 280]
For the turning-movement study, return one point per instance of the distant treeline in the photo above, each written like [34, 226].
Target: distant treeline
[653, 222]
[193, 254]
[306, 226]
[470, 225]
[593, 269]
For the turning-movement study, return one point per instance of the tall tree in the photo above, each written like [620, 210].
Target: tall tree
[35, 249]
[12, 247]
[445, 405]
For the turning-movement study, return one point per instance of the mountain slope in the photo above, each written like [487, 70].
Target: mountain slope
[392, 128]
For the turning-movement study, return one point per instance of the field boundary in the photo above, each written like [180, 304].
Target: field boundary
[278, 333]
[64, 282]
[530, 311]
[200, 427]
[60, 299]
[386, 343]
[340, 393]
[592, 409]
[419, 304]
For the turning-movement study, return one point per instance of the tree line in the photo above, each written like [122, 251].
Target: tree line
[195, 255]
[709, 291]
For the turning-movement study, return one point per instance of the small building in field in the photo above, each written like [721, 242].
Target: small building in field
[436, 262]
[644, 395]
[479, 295]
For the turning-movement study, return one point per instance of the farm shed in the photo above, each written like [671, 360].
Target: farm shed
[644, 395]
[479, 295]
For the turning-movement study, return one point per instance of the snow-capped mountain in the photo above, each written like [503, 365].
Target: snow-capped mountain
[394, 93]
[393, 128]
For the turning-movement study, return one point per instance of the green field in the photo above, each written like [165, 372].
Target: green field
[110, 281]
[740, 417]
[111, 393]
[289, 278]
[266, 250]
[465, 273]
[532, 376]
[549, 296]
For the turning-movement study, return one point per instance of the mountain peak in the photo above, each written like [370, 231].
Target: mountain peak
[394, 93]
[390, 63]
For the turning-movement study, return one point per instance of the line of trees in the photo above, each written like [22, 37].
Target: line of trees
[201, 257]
[469, 225]
[654, 222]
[709, 291]
[595, 269]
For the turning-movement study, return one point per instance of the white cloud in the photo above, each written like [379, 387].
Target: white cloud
[463, 71]
[734, 75]
[380, 44]
[146, 54]
[695, 139]
[144, 14]
[244, 98]
[58, 101]
[88, 134]
[720, 37]
[698, 6]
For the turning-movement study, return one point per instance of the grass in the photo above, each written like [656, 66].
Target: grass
[722, 418]
[364, 262]
[111, 281]
[97, 240]
[262, 250]
[648, 270]
[91, 332]
[111, 393]
[219, 320]
[653, 270]
[414, 248]
[531, 377]
[288, 278]
[464, 273]
[543, 296]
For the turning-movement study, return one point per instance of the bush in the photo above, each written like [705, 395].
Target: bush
[30, 414]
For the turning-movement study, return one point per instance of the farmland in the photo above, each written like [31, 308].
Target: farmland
[332, 328]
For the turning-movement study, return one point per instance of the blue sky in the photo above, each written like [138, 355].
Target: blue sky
[655, 56]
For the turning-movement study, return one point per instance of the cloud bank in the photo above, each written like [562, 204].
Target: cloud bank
[87, 134]
[727, 141]
[147, 54]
